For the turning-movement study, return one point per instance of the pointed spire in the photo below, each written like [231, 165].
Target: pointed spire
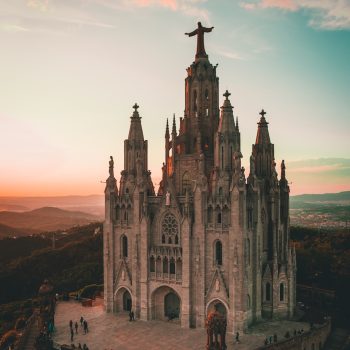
[135, 131]
[227, 122]
[167, 129]
[173, 131]
[263, 136]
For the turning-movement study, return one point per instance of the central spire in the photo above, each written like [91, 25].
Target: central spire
[200, 39]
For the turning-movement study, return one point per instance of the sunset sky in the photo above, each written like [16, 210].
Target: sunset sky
[70, 71]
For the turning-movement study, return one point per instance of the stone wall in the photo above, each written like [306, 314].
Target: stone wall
[311, 340]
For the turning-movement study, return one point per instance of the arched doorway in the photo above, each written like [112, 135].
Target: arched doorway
[166, 304]
[127, 303]
[123, 300]
[171, 306]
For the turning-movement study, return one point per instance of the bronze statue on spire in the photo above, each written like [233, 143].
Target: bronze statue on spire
[200, 39]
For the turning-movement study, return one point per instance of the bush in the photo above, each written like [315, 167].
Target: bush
[8, 339]
[20, 323]
[90, 291]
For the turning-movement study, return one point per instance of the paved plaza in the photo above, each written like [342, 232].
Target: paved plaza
[115, 332]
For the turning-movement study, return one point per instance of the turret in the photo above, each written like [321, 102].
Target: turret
[227, 138]
[263, 150]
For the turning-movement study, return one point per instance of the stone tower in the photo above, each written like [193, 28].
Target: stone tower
[209, 237]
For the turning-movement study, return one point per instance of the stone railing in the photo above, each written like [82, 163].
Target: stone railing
[24, 334]
[166, 277]
[311, 340]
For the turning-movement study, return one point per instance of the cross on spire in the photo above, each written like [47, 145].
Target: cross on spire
[262, 113]
[226, 94]
[135, 106]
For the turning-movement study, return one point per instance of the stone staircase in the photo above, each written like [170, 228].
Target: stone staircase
[338, 340]
[32, 334]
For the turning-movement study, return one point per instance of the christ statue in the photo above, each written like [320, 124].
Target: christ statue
[200, 39]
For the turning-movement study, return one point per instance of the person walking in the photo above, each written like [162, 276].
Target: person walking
[81, 320]
[76, 327]
[71, 334]
[70, 324]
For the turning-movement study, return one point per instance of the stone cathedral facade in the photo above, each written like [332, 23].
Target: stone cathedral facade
[210, 236]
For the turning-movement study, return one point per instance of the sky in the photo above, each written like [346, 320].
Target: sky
[71, 70]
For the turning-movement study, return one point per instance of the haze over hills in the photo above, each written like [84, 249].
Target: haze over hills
[30, 215]
[42, 219]
[92, 204]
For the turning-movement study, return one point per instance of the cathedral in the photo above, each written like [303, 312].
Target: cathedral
[213, 236]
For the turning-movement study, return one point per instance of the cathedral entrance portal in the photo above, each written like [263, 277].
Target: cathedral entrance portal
[123, 300]
[171, 306]
[166, 304]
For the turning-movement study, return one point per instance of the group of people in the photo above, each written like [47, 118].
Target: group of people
[75, 326]
[273, 338]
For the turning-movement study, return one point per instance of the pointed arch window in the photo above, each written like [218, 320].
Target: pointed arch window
[172, 266]
[281, 292]
[210, 215]
[186, 183]
[268, 291]
[218, 253]
[165, 265]
[195, 101]
[152, 264]
[124, 246]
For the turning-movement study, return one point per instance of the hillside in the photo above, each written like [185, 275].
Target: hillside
[328, 210]
[76, 262]
[43, 219]
[326, 198]
[6, 231]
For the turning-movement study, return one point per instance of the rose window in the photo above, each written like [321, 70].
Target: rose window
[170, 230]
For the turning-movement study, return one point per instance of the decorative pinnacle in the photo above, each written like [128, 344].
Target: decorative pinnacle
[173, 131]
[135, 106]
[226, 94]
[262, 113]
[167, 128]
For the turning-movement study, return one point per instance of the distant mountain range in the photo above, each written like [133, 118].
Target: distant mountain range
[41, 220]
[92, 204]
[339, 198]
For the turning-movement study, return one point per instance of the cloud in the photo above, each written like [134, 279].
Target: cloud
[324, 14]
[322, 165]
[8, 27]
[231, 55]
[191, 8]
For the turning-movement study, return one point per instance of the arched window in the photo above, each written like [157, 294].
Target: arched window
[124, 246]
[186, 183]
[165, 265]
[170, 230]
[152, 264]
[195, 100]
[267, 291]
[248, 251]
[281, 292]
[172, 266]
[219, 218]
[218, 253]
[248, 302]
[210, 215]
[220, 191]
[206, 94]
[222, 157]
